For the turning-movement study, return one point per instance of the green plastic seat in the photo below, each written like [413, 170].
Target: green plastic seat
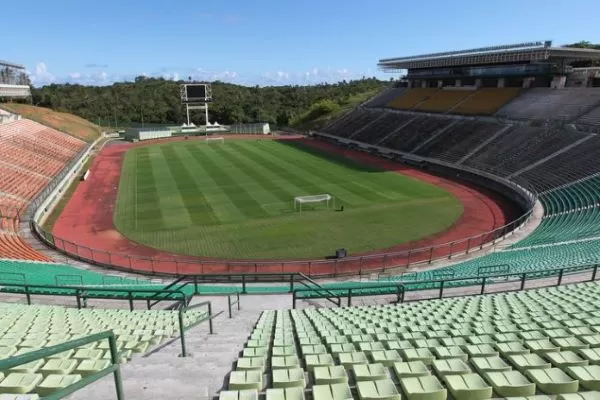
[350, 359]
[419, 354]
[490, 364]
[377, 390]
[337, 391]
[386, 357]
[251, 394]
[592, 355]
[290, 393]
[552, 381]
[88, 354]
[398, 344]
[528, 361]
[370, 372]
[251, 363]
[451, 366]
[562, 359]
[255, 352]
[591, 340]
[244, 380]
[258, 342]
[588, 376]
[510, 348]
[541, 346]
[277, 352]
[336, 349]
[59, 366]
[330, 375]
[423, 388]
[468, 387]
[285, 362]
[410, 369]
[480, 350]
[510, 384]
[19, 383]
[29, 368]
[570, 343]
[442, 353]
[579, 396]
[55, 382]
[318, 360]
[369, 347]
[286, 378]
[89, 367]
[313, 349]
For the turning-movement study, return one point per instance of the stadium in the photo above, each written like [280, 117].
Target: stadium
[438, 241]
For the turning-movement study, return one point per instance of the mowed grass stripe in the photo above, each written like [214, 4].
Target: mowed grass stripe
[170, 200]
[310, 183]
[125, 213]
[370, 189]
[262, 176]
[218, 199]
[149, 206]
[196, 205]
[228, 176]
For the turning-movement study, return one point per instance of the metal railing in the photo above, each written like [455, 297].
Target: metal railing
[231, 302]
[348, 292]
[185, 265]
[113, 368]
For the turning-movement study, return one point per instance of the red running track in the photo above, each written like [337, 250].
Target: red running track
[86, 229]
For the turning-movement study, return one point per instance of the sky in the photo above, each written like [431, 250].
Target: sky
[267, 42]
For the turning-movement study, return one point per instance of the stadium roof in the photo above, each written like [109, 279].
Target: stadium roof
[12, 65]
[523, 52]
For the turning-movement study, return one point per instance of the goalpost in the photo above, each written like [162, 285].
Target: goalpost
[219, 139]
[317, 198]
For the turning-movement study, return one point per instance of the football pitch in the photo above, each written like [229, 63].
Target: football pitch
[236, 200]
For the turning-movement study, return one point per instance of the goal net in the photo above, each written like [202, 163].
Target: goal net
[211, 139]
[300, 201]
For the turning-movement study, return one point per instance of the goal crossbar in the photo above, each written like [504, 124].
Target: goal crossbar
[317, 198]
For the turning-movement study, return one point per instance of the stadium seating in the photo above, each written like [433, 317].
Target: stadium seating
[557, 104]
[349, 123]
[28, 328]
[382, 99]
[443, 100]
[412, 97]
[502, 345]
[520, 147]
[417, 132]
[486, 101]
[457, 141]
[381, 127]
[30, 156]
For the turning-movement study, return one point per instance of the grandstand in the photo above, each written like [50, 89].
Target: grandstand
[505, 117]
[14, 82]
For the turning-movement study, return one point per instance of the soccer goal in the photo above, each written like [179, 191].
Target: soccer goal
[299, 201]
[210, 139]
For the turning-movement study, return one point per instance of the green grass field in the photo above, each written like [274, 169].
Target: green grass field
[235, 199]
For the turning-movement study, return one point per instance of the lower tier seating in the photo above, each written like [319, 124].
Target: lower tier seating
[544, 341]
[27, 328]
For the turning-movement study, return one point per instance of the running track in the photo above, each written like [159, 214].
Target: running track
[88, 221]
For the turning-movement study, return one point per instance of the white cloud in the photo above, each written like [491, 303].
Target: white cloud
[41, 76]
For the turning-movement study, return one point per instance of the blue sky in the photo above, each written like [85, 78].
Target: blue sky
[268, 42]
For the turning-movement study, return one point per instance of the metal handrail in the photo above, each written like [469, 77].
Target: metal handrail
[114, 368]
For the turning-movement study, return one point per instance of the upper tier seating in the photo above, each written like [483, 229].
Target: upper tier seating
[28, 328]
[419, 130]
[466, 348]
[410, 98]
[382, 126]
[557, 104]
[458, 140]
[486, 101]
[30, 156]
[443, 100]
[522, 146]
[385, 97]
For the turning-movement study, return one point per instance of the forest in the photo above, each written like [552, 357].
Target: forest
[157, 101]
